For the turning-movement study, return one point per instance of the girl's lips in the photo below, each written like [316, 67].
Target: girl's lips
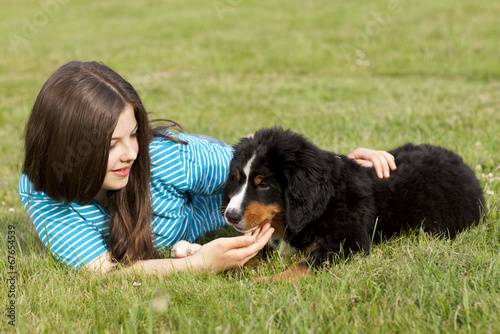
[122, 172]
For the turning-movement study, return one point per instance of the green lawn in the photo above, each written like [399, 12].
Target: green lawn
[345, 74]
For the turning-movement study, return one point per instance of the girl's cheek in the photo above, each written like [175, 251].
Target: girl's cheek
[111, 162]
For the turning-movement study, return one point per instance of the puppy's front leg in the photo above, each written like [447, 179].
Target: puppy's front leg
[295, 273]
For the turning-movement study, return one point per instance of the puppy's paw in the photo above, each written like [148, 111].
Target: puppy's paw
[183, 248]
[263, 279]
[295, 273]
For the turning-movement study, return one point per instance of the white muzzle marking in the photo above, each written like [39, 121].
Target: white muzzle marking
[236, 202]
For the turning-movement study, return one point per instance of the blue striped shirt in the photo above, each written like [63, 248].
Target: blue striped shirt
[186, 185]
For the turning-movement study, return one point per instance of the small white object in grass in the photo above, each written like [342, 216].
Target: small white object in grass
[183, 248]
[490, 192]
[11, 210]
[136, 284]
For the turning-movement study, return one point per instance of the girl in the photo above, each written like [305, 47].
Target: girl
[103, 187]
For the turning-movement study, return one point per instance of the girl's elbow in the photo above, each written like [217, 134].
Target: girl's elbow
[101, 264]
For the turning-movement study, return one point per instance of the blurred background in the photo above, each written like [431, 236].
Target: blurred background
[344, 73]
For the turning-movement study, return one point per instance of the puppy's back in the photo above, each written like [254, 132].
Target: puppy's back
[431, 186]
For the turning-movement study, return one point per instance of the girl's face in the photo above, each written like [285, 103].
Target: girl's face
[123, 151]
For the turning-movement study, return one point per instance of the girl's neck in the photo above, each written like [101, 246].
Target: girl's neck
[101, 196]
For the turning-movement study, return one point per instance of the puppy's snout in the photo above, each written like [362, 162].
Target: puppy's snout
[233, 216]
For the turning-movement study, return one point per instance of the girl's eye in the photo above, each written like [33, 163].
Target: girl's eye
[112, 146]
[134, 135]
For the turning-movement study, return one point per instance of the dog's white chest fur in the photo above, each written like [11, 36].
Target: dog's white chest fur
[281, 246]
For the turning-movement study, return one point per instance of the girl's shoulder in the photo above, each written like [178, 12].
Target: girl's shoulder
[165, 153]
[177, 161]
[192, 143]
[158, 143]
[160, 146]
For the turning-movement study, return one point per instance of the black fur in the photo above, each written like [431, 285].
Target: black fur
[335, 204]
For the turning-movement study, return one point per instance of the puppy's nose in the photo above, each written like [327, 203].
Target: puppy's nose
[233, 216]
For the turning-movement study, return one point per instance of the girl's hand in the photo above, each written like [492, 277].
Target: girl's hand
[228, 253]
[382, 161]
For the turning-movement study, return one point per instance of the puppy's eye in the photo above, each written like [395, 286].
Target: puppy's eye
[263, 186]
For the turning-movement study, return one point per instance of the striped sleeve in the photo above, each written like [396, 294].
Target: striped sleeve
[186, 185]
[199, 168]
[69, 237]
[206, 165]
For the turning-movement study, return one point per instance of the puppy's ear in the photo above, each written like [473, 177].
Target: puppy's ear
[307, 194]
[242, 142]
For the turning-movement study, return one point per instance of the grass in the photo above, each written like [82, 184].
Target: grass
[349, 74]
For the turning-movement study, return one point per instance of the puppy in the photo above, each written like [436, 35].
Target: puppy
[328, 206]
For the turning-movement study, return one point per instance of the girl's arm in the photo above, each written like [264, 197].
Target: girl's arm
[215, 256]
[69, 237]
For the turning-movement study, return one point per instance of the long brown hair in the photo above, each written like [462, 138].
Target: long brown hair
[67, 146]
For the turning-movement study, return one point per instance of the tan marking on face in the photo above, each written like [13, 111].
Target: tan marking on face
[229, 186]
[258, 179]
[278, 223]
[257, 214]
[238, 176]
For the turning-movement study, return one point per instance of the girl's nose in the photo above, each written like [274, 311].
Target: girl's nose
[131, 149]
